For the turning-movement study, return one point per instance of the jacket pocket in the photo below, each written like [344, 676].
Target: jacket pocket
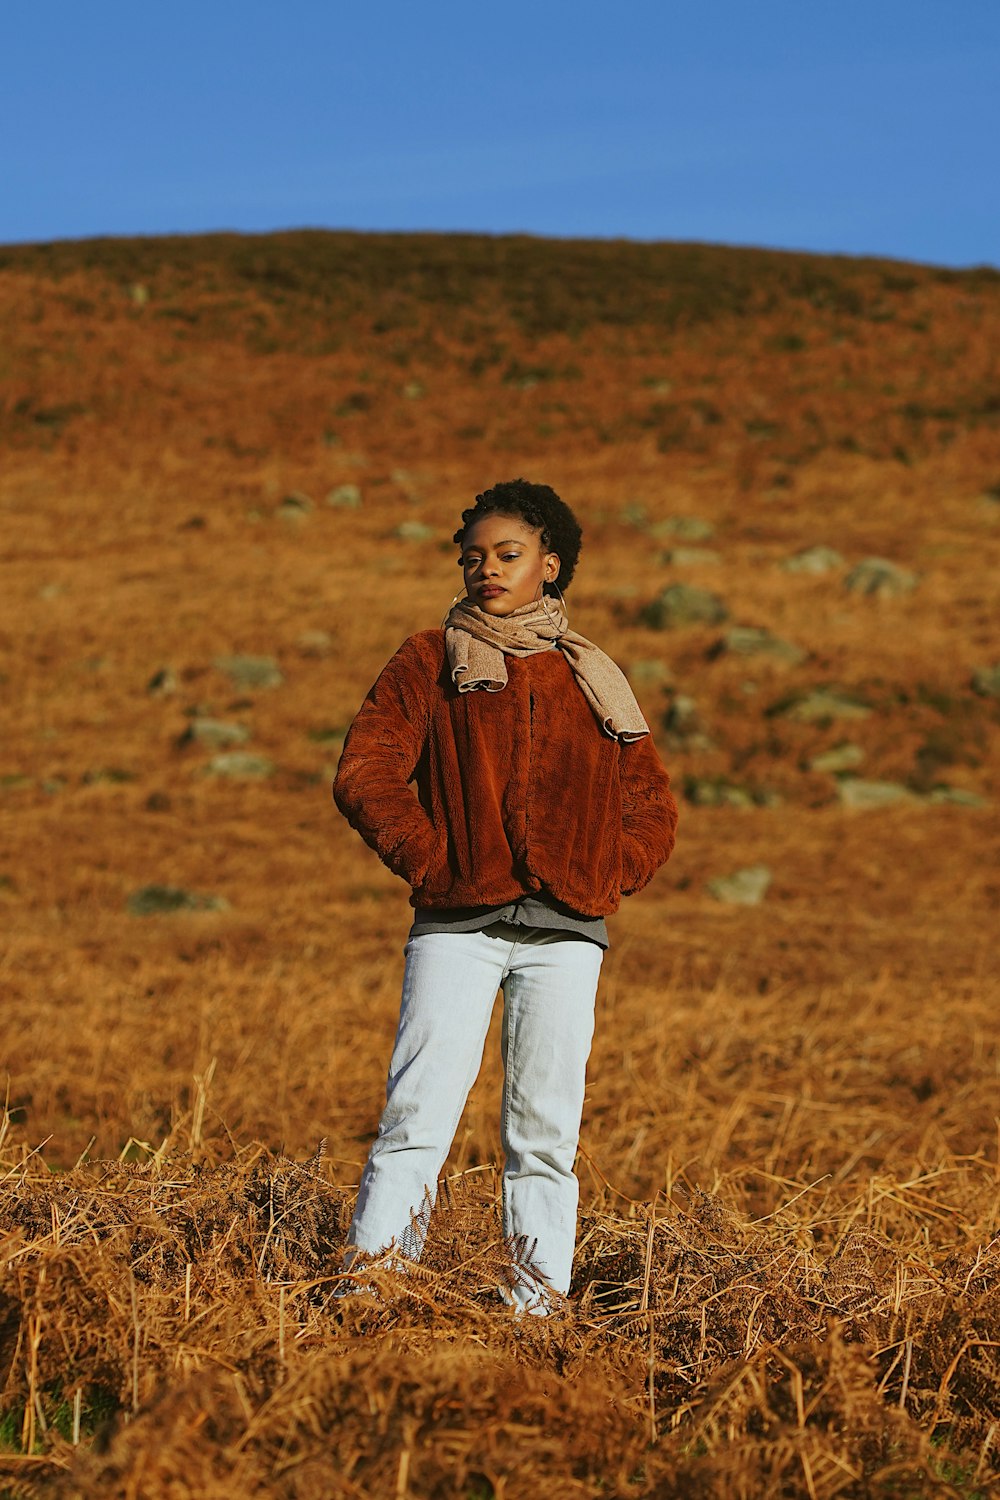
[636, 870]
[437, 878]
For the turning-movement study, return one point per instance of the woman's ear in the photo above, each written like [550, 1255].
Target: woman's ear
[552, 567]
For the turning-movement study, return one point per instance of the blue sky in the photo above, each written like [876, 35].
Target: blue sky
[862, 126]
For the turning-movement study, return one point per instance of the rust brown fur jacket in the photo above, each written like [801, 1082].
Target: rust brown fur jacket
[516, 791]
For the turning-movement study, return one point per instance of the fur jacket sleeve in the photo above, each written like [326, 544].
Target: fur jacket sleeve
[649, 815]
[382, 752]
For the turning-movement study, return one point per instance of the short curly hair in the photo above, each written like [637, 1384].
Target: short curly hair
[539, 507]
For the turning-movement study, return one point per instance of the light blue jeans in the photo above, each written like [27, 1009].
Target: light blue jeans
[549, 981]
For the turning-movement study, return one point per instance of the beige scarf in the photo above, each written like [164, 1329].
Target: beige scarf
[477, 644]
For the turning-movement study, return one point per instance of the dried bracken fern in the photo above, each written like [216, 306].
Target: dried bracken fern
[699, 1354]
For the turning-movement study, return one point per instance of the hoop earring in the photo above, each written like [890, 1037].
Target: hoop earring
[562, 601]
[460, 595]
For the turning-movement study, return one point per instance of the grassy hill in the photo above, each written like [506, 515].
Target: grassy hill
[230, 471]
[780, 356]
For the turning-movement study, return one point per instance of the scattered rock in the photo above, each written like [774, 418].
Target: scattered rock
[157, 900]
[815, 560]
[214, 732]
[878, 578]
[691, 557]
[748, 640]
[716, 791]
[406, 481]
[844, 757]
[15, 781]
[634, 514]
[413, 531]
[704, 791]
[241, 765]
[649, 669]
[328, 734]
[686, 528]
[682, 715]
[957, 795]
[862, 795]
[162, 683]
[986, 681]
[344, 496]
[413, 390]
[819, 704]
[746, 887]
[683, 604]
[250, 671]
[685, 730]
[295, 506]
[314, 642]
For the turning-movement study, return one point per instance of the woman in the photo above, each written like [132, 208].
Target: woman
[540, 801]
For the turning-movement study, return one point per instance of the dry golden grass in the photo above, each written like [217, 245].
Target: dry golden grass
[788, 1263]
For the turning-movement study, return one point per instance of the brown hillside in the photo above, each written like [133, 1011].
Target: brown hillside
[230, 446]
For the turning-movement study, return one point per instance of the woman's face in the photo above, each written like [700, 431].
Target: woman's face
[504, 564]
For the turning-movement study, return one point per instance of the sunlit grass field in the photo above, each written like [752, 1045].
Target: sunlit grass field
[230, 470]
